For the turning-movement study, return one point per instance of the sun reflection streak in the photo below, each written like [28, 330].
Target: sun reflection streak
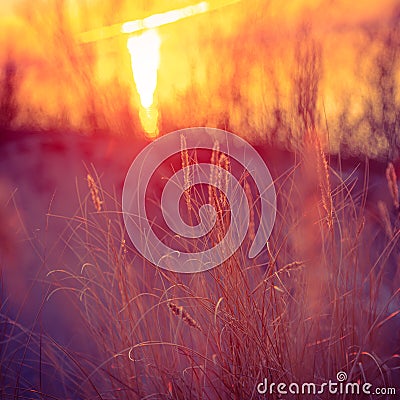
[144, 49]
[145, 60]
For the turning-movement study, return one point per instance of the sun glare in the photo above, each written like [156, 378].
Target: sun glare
[144, 49]
[165, 18]
[145, 59]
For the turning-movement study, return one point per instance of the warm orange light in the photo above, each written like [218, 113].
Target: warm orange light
[144, 49]
[153, 21]
[145, 59]
[149, 119]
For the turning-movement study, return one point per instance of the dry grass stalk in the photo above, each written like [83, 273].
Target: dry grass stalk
[263, 304]
[213, 177]
[392, 184]
[295, 265]
[324, 183]
[220, 202]
[385, 218]
[94, 192]
[187, 178]
[224, 163]
[184, 315]
[249, 196]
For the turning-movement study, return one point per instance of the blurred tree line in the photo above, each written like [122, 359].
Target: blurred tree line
[8, 98]
[265, 84]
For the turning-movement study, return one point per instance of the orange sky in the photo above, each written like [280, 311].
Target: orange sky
[185, 50]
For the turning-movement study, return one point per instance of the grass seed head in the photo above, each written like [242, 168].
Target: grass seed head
[94, 192]
[179, 311]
